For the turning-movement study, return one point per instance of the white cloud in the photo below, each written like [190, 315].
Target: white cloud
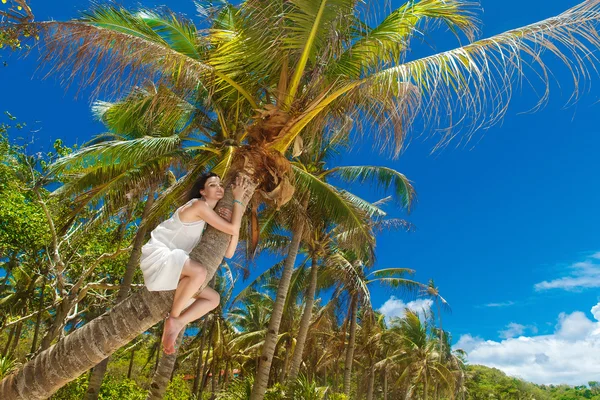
[584, 274]
[569, 355]
[502, 304]
[513, 329]
[395, 307]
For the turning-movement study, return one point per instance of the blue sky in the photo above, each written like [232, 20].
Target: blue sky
[507, 226]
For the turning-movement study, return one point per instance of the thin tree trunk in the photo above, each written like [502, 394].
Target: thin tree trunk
[286, 361]
[16, 337]
[134, 258]
[371, 386]
[95, 381]
[38, 319]
[206, 366]
[305, 321]
[268, 350]
[215, 377]
[163, 372]
[90, 344]
[351, 344]
[385, 384]
[131, 360]
[8, 342]
[198, 375]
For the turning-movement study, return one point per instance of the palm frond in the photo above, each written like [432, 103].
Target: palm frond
[118, 154]
[340, 207]
[308, 22]
[382, 176]
[112, 48]
[180, 34]
[386, 43]
[475, 82]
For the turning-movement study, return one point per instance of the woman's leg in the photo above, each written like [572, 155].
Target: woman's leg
[193, 275]
[206, 301]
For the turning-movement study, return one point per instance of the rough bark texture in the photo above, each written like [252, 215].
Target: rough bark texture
[268, 349]
[86, 347]
[305, 321]
[350, 348]
[162, 375]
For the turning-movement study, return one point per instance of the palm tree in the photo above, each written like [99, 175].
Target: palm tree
[306, 66]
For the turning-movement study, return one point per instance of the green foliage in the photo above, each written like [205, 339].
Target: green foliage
[491, 383]
[178, 389]
[7, 365]
[307, 390]
[112, 388]
[337, 396]
[73, 390]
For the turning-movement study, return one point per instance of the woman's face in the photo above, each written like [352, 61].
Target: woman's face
[213, 189]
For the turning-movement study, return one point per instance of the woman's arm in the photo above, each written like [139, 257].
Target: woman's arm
[209, 215]
[232, 245]
[206, 213]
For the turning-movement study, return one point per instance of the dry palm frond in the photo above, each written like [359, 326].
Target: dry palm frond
[475, 82]
[111, 48]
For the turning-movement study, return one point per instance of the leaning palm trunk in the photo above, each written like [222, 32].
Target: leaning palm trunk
[163, 372]
[268, 350]
[97, 375]
[351, 344]
[78, 352]
[304, 322]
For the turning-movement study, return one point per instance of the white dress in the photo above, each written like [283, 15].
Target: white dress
[167, 250]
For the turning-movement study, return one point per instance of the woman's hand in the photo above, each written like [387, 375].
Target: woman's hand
[241, 187]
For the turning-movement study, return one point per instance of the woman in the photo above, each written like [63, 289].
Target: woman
[165, 262]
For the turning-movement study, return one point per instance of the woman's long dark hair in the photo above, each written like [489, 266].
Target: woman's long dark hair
[199, 185]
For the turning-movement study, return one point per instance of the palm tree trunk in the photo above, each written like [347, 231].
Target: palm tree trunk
[163, 372]
[16, 337]
[95, 381]
[90, 344]
[305, 321]
[371, 386]
[205, 368]
[131, 360]
[38, 319]
[351, 344]
[215, 377]
[268, 350]
[198, 376]
[286, 361]
[385, 385]
[9, 341]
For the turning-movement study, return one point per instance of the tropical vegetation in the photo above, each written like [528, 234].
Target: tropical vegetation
[271, 90]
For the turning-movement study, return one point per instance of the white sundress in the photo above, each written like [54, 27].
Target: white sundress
[167, 250]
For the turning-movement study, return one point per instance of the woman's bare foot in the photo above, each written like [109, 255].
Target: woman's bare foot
[170, 332]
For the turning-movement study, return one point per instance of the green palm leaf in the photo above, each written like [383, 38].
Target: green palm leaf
[180, 34]
[117, 154]
[386, 43]
[382, 176]
[338, 206]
